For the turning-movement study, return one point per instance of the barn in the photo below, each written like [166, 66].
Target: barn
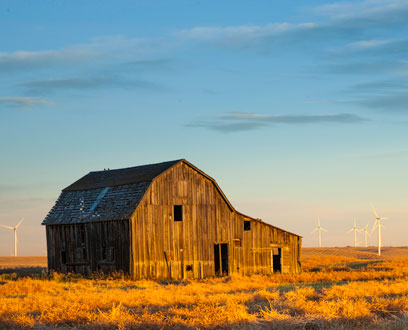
[165, 220]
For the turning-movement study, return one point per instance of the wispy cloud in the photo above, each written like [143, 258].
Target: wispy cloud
[148, 65]
[372, 48]
[349, 22]
[387, 95]
[380, 9]
[379, 87]
[244, 121]
[241, 35]
[23, 60]
[40, 87]
[366, 67]
[368, 44]
[113, 49]
[23, 102]
[346, 21]
[394, 102]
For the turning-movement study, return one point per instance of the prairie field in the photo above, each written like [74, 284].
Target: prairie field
[339, 288]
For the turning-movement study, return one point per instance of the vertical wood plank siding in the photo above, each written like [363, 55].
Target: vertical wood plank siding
[207, 220]
[89, 247]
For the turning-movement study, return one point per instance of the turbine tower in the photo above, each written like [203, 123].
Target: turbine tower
[379, 225]
[355, 229]
[15, 234]
[319, 229]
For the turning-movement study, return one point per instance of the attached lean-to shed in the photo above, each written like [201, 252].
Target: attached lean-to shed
[166, 220]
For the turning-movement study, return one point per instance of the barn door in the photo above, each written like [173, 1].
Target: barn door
[277, 260]
[221, 259]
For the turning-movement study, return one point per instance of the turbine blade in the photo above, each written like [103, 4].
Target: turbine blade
[314, 231]
[350, 230]
[8, 227]
[375, 212]
[385, 218]
[324, 229]
[374, 227]
[19, 223]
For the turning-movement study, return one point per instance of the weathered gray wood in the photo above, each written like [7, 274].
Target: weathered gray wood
[105, 248]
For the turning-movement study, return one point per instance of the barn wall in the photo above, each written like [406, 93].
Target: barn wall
[90, 247]
[188, 245]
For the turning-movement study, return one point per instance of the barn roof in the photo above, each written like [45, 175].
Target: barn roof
[104, 195]
[119, 177]
[114, 194]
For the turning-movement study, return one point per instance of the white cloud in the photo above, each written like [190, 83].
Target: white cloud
[244, 121]
[98, 49]
[342, 10]
[18, 101]
[240, 34]
[365, 44]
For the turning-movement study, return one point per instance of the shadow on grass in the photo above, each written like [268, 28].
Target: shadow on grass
[17, 272]
[292, 324]
[346, 266]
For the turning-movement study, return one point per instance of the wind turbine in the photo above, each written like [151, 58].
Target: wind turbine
[15, 234]
[319, 229]
[379, 225]
[355, 229]
[366, 233]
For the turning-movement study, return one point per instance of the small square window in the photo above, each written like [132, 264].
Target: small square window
[178, 212]
[247, 225]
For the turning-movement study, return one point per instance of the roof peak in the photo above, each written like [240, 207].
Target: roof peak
[137, 166]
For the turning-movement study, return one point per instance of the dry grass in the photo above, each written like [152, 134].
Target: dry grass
[339, 289]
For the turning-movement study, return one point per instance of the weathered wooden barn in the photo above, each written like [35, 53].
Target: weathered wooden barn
[166, 220]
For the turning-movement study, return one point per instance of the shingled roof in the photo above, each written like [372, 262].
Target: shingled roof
[104, 195]
[119, 177]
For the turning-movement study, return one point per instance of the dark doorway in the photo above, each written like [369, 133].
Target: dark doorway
[224, 259]
[221, 259]
[217, 259]
[277, 260]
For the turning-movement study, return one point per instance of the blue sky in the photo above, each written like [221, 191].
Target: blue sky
[297, 109]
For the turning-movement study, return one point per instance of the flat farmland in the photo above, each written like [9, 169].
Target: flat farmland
[360, 253]
[339, 288]
[15, 262]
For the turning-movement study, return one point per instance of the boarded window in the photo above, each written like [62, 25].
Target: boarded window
[247, 225]
[82, 234]
[178, 213]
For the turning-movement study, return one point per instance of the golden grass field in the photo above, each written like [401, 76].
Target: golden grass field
[339, 288]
